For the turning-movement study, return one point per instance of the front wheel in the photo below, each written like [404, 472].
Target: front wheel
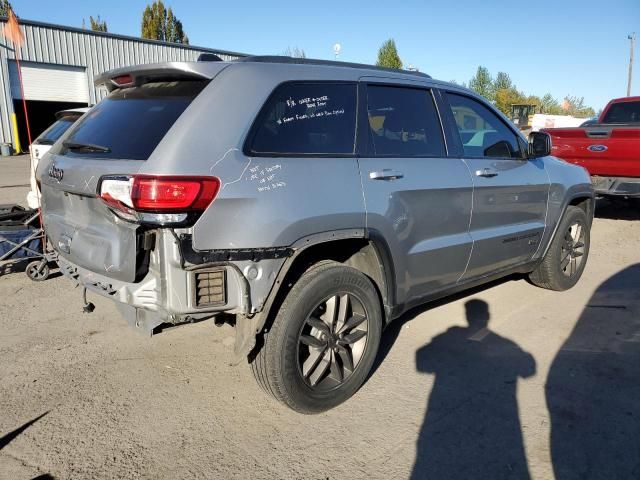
[566, 258]
[323, 341]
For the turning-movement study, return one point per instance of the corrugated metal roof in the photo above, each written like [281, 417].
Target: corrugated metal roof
[123, 37]
[96, 52]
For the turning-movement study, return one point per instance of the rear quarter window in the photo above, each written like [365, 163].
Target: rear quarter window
[131, 122]
[306, 119]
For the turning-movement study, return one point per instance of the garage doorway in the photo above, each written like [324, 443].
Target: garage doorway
[47, 90]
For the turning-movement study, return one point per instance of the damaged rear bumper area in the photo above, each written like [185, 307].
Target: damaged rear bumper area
[178, 290]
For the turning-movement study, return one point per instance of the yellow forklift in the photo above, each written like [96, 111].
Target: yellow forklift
[522, 114]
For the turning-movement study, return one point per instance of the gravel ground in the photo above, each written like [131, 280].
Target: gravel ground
[550, 387]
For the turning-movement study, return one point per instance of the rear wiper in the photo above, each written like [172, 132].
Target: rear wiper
[85, 146]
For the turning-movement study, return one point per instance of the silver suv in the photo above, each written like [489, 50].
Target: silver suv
[308, 203]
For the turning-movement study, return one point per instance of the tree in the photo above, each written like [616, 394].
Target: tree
[5, 6]
[97, 24]
[294, 52]
[158, 23]
[455, 82]
[550, 105]
[575, 106]
[388, 55]
[482, 83]
[505, 97]
[503, 82]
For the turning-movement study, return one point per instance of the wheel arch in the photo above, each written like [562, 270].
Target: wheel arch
[365, 251]
[585, 201]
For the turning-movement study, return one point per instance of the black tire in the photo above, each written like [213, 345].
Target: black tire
[552, 273]
[38, 270]
[278, 366]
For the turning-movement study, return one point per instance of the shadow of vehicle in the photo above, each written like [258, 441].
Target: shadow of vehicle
[471, 427]
[593, 387]
[618, 209]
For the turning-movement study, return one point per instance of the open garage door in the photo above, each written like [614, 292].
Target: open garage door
[50, 83]
[47, 90]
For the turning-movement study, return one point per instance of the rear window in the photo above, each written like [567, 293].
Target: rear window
[55, 131]
[625, 112]
[307, 119]
[130, 122]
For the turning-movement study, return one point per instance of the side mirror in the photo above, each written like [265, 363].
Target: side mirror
[539, 144]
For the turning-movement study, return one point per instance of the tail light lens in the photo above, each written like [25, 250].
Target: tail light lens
[160, 200]
[171, 194]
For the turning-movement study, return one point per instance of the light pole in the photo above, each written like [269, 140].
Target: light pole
[632, 39]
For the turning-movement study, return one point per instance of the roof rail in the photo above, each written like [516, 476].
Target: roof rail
[333, 63]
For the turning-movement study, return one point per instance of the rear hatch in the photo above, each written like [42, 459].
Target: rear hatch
[603, 149]
[115, 139]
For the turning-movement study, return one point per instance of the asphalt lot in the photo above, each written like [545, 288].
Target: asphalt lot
[548, 388]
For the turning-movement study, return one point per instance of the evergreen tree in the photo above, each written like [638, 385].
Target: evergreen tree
[5, 6]
[482, 83]
[295, 52]
[97, 24]
[388, 55]
[159, 23]
[502, 82]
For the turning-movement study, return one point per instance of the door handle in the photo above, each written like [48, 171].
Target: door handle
[486, 172]
[386, 174]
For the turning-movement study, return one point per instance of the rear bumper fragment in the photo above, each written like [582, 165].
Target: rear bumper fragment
[616, 186]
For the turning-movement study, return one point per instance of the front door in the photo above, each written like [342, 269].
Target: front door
[416, 197]
[510, 191]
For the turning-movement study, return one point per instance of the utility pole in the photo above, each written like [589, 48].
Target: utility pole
[632, 38]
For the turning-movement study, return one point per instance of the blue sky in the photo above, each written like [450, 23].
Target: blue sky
[576, 47]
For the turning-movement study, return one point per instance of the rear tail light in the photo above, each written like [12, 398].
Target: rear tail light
[160, 200]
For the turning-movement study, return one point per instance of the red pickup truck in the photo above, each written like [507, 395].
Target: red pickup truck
[609, 149]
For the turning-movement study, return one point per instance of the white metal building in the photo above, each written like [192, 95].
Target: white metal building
[59, 65]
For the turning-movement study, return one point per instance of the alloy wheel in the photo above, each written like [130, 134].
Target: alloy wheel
[332, 341]
[572, 251]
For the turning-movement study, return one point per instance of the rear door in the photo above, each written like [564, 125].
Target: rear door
[510, 191]
[115, 137]
[417, 197]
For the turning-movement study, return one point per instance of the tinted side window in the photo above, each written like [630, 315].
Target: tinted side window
[404, 122]
[55, 131]
[482, 132]
[307, 118]
[624, 112]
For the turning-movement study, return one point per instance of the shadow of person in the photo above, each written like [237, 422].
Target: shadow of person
[593, 387]
[471, 427]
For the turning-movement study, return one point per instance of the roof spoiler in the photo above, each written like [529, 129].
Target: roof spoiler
[141, 74]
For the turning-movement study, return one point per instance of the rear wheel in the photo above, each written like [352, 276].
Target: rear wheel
[566, 258]
[323, 341]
